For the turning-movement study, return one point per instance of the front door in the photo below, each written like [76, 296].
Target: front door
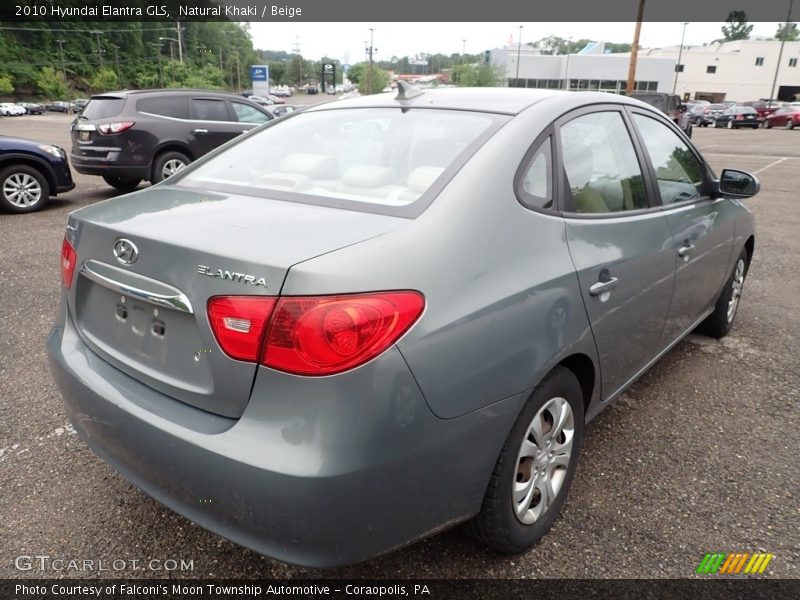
[621, 246]
[702, 233]
[212, 125]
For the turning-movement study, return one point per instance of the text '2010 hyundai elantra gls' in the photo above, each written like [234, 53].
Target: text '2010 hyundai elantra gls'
[380, 317]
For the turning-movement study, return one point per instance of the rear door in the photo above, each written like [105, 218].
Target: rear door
[702, 234]
[619, 241]
[212, 124]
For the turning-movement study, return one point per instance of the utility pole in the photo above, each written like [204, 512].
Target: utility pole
[519, 52]
[634, 50]
[180, 40]
[780, 55]
[463, 50]
[63, 65]
[116, 61]
[99, 50]
[680, 53]
[238, 73]
[370, 74]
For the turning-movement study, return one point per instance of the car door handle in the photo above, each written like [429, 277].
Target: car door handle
[198, 131]
[603, 286]
[685, 250]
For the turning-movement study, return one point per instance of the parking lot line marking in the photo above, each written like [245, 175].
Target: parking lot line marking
[772, 164]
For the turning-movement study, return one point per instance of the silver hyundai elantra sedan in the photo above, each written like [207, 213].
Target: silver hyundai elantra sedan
[377, 318]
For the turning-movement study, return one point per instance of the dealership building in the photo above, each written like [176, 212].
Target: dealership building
[741, 70]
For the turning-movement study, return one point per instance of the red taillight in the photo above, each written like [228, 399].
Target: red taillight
[319, 335]
[117, 127]
[238, 323]
[330, 334]
[68, 260]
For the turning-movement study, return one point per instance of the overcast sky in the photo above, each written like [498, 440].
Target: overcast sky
[345, 41]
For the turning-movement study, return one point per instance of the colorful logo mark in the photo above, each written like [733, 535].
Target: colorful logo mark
[734, 563]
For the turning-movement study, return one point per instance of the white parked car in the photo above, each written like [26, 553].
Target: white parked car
[11, 110]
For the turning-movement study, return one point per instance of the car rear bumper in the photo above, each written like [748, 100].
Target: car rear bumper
[322, 478]
[108, 167]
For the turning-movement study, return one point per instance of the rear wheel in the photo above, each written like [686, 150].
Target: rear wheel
[768, 124]
[789, 124]
[22, 189]
[535, 469]
[719, 323]
[167, 164]
[730, 124]
[122, 184]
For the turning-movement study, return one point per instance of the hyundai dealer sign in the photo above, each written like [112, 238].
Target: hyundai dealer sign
[259, 75]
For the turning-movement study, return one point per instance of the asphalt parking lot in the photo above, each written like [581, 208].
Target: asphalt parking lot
[698, 456]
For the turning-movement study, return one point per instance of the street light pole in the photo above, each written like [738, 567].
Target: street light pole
[370, 73]
[180, 41]
[680, 53]
[519, 51]
[463, 50]
[780, 54]
[63, 66]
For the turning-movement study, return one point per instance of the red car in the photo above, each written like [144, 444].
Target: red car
[788, 116]
[763, 108]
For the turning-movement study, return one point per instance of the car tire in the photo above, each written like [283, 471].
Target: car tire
[789, 124]
[729, 125]
[507, 523]
[719, 323]
[23, 189]
[768, 124]
[168, 163]
[122, 184]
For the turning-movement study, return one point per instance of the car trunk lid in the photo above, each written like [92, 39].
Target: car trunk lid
[149, 317]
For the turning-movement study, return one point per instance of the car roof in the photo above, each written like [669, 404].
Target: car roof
[125, 93]
[510, 101]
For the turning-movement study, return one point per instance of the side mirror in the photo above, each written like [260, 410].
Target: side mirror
[738, 184]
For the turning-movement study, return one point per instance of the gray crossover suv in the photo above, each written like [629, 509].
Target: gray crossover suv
[377, 318]
[130, 136]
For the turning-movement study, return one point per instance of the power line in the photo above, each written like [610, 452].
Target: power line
[82, 30]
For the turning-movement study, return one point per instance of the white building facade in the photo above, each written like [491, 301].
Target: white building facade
[741, 71]
[590, 69]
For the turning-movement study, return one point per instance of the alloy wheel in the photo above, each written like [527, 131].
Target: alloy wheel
[736, 290]
[543, 460]
[171, 167]
[22, 190]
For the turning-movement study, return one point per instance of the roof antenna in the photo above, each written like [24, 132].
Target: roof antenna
[405, 91]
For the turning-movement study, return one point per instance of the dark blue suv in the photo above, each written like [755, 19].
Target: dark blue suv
[31, 172]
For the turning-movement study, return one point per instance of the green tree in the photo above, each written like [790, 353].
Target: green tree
[787, 32]
[6, 87]
[481, 75]
[359, 74]
[51, 83]
[104, 80]
[737, 27]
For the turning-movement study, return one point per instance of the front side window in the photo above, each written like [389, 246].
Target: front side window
[600, 164]
[373, 156]
[248, 114]
[678, 171]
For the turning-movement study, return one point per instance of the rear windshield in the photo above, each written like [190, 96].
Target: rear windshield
[103, 108]
[352, 158]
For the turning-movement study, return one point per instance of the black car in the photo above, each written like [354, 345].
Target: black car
[31, 108]
[31, 172]
[709, 114]
[670, 105]
[130, 136]
[736, 117]
[59, 106]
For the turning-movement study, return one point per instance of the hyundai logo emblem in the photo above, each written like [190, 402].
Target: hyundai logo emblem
[126, 251]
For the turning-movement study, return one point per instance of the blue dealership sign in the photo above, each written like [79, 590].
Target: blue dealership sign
[259, 73]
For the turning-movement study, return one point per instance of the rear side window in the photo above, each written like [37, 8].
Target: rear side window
[176, 107]
[205, 109]
[602, 171]
[103, 108]
[536, 185]
[387, 157]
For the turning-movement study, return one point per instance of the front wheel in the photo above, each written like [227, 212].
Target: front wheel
[22, 189]
[768, 124]
[730, 124]
[535, 468]
[789, 124]
[719, 323]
